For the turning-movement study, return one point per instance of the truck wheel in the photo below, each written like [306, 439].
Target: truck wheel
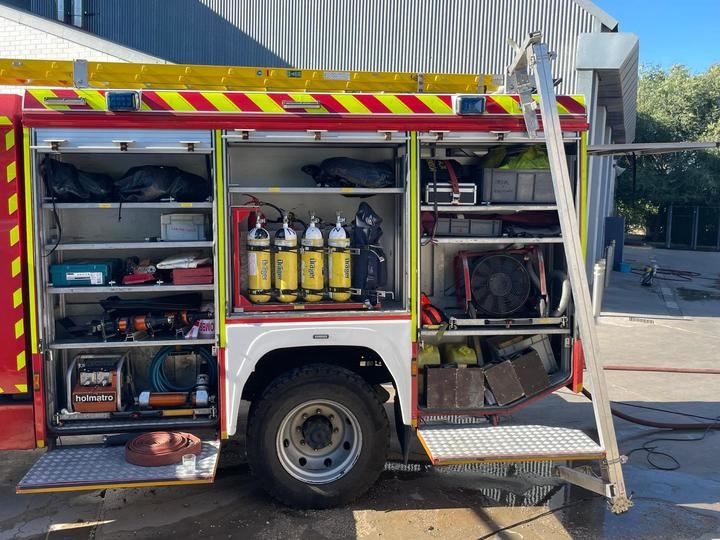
[317, 437]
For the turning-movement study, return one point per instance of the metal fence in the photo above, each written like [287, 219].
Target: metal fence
[693, 227]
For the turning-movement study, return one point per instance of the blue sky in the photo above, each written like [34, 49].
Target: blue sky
[671, 31]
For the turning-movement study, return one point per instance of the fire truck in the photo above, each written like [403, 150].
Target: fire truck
[328, 247]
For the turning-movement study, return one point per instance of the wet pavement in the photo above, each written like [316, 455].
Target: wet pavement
[659, 326]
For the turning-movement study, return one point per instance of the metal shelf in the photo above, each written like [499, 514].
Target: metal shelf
[496, 240]
[498, 331]
[143, 205]
[318, 190]
[129, 289]
[87, 343]
[129, 245]
[489, 208]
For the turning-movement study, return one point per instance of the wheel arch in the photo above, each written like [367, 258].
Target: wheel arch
[257, 354]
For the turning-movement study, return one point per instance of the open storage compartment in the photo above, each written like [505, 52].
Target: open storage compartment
[125, 274]
[497, 322]
[323, 175]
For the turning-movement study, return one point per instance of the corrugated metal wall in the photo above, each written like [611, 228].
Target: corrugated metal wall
[460, 36]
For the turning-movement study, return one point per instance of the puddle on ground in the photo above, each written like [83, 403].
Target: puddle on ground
[693, 295]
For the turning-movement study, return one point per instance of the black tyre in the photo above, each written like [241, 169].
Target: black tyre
[317, 437]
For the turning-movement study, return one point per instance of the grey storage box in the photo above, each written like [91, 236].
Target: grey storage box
[517, 186]
[468, 227]
[183, 227]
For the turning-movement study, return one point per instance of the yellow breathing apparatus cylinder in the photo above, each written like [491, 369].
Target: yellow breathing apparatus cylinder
[339, 271]
[259, 266]
[313, 263]
[286, 263]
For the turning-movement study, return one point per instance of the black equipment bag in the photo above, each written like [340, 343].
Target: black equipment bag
[369, 265]
[66, 183]
[154, 182]
[349, 172]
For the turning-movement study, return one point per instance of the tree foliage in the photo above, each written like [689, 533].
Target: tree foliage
[674, 105]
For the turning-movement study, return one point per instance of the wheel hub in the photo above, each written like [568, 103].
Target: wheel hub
[317, 432]
[319, 441]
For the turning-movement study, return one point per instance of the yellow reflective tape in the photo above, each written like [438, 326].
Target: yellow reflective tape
[583, 192]
[12, 204]
[176, 101]
[2, 391]
[20, 361]
[414, 242]
[40, 444]
[265, 102]
[15, 267]
[435, 104]
[94, 99]
[394, 104]
[21, 387]
[14, 235]
[5, 121]
[10, 139]
[19, 328]
[508, 104]
[220, 220]
[41, 93]
[30, 263]
[560, 107]
[220, 101]
[579, 99]
[17, 298]
[351, 104]
[11, 172]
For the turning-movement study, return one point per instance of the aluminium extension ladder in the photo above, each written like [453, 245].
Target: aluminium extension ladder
[448, 443]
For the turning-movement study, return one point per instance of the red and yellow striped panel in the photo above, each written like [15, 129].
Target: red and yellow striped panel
[276, 102]
[14, 359]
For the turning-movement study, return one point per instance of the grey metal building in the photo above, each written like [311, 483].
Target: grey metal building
[452, 36]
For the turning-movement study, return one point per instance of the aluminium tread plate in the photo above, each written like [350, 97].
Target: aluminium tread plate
[447, 443]
[95, 466]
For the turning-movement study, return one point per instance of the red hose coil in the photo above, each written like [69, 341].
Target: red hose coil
[161, 448]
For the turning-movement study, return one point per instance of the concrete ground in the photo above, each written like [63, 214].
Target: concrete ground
[673, 323]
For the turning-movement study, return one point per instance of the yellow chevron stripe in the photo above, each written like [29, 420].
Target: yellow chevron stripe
[20, 360]
[19, 328]
[265, 102]
[220, 101]
[435, 104]
[21, 387]
[176, 101]
[10, 139]
[351, 104]
[17, 298]
[509, 105]
[394, 104]
[5, 121]
[11, 171]
[94, 99]
[14, 235]
[15, 267]
[307, 98]
[41, 93]
[579, 99]
[560, 107]
[12, 204]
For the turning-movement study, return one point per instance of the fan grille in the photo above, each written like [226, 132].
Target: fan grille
[500, 284]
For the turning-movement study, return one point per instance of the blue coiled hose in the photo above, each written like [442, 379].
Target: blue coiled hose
[160, 381]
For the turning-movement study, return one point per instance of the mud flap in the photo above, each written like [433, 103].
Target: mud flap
[82, 467]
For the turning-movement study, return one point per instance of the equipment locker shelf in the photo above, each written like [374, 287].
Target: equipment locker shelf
[266, 169]
[113, 229]
[439, 253]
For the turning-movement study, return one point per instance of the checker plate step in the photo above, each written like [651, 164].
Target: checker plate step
[452, 443]
[94, 466]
